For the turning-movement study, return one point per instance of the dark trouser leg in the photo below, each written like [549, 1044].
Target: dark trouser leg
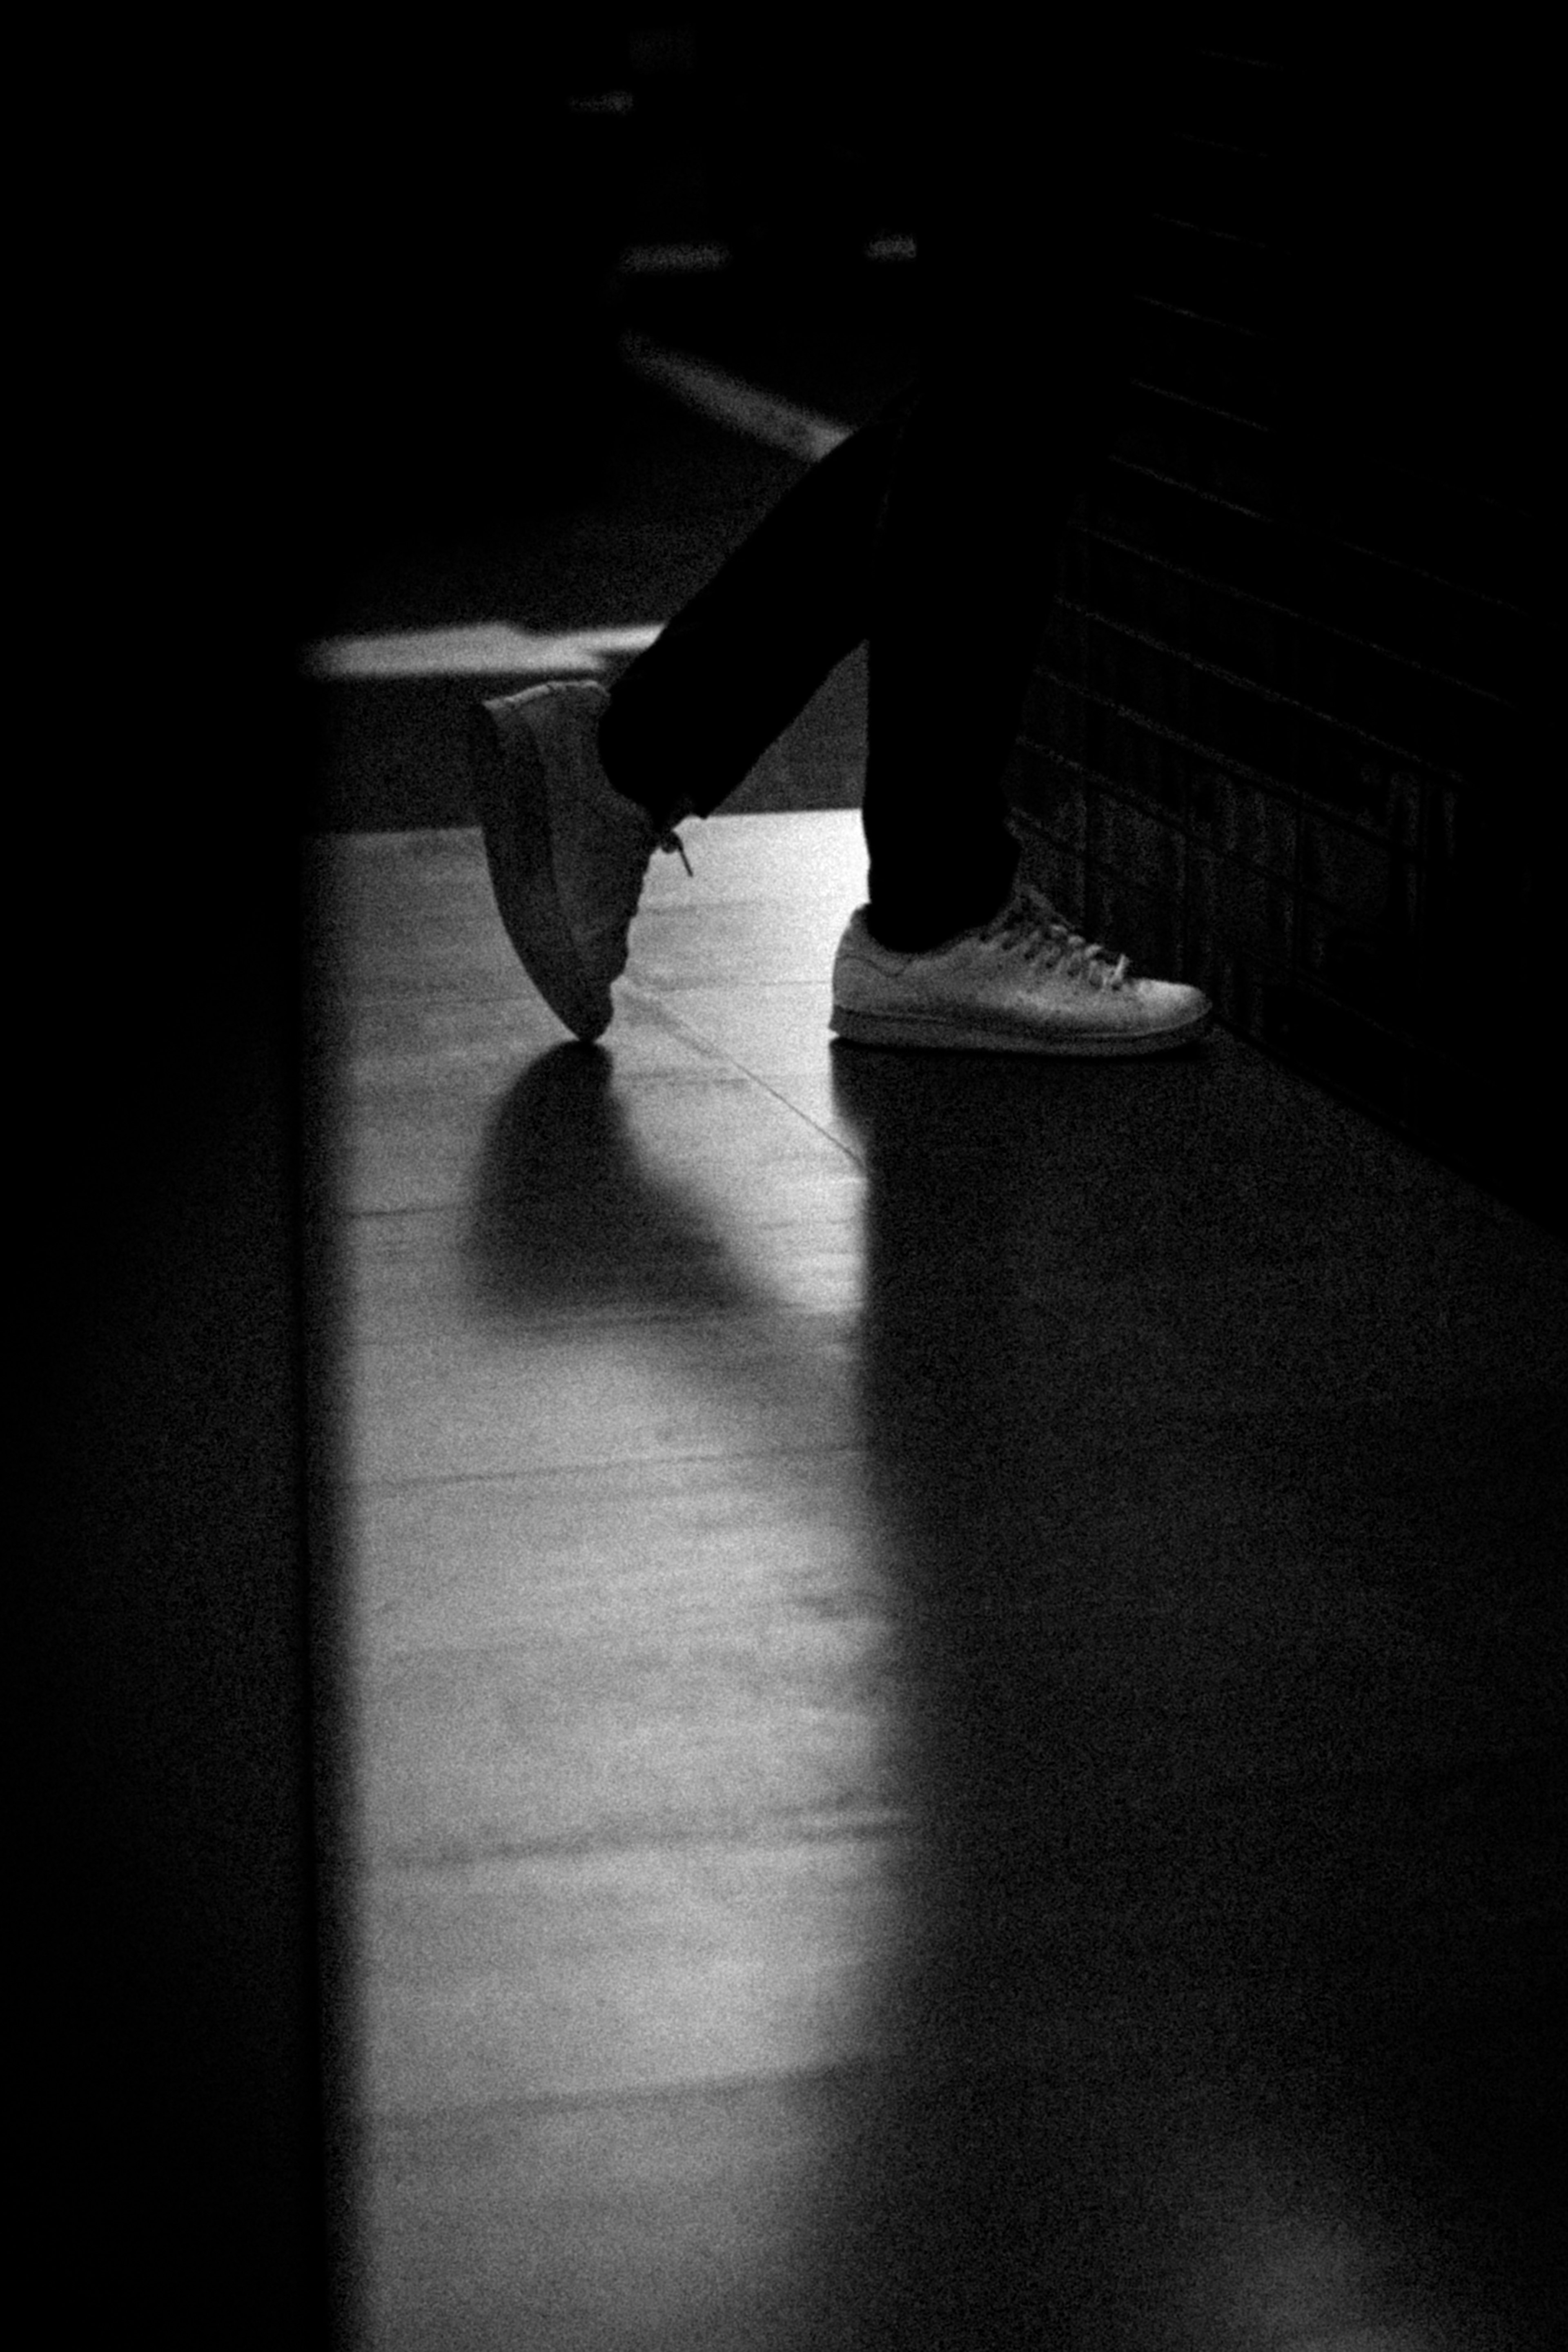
[691, 717]
[935, 532]
[1028, 247]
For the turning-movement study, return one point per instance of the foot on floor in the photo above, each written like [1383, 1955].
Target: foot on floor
[1025, 982]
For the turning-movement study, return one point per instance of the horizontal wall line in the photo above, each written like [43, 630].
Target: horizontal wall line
[1313, 622]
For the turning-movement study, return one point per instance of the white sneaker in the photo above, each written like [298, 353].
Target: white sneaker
[1023, 983]
[568, 852]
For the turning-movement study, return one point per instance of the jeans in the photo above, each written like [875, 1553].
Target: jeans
[932, 535]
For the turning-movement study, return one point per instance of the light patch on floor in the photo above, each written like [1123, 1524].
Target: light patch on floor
[730, 401]
[477, 649]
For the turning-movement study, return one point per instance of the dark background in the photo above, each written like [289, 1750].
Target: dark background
[208, 418]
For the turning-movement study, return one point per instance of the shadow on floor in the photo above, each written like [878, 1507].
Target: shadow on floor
[1218, 1486]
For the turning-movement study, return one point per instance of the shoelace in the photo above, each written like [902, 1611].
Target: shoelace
[670, 841]
[1030, 925]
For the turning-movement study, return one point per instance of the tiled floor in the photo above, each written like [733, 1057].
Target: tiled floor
[956, 1668]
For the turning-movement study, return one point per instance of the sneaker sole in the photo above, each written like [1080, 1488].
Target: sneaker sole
[511, 793]
[936, 1034]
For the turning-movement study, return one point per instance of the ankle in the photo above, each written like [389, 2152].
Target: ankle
[922, 939]
[900, 942]
[663, 812]
[662, 809]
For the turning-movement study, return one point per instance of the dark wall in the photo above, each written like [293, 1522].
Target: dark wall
[170, 2126]
[1289, 730]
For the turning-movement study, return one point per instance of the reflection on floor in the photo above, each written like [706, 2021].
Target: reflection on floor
[958, 1669]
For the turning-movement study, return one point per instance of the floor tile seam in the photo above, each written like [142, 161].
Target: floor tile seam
[520, 1326]
[389, 1656]
[889, 2058]
[600, 1464]
[783, 1826]
[468, 998]
[1242, 1411]
[1372, 1391]
[770, 1086]
[718, 1651]
[1350, 1250]
[1131, 1811]
[405, 1232]
[644, 2093]
[354, 994]
[792, 1207]
[422, 1111]
[568, 1474]
[382, 1482]
[451, 1352]
[1243, 1604]
[1140, 1910]
[1246, 1405]
[775, 1648]
[758, 1646]
[1212, 1429]
[846, 1150]
[791, 1156]
[658, 998]
[450, 1316]
[685, 1172]
[1138, 1918]
[438, 1167]
[783, 1831]
[1076, 1636]
[692, 1125]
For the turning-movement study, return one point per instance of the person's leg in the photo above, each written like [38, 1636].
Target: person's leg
[1029, 245]
[934, 530]
[576, 787]
[690, 718]
[1041, 148]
